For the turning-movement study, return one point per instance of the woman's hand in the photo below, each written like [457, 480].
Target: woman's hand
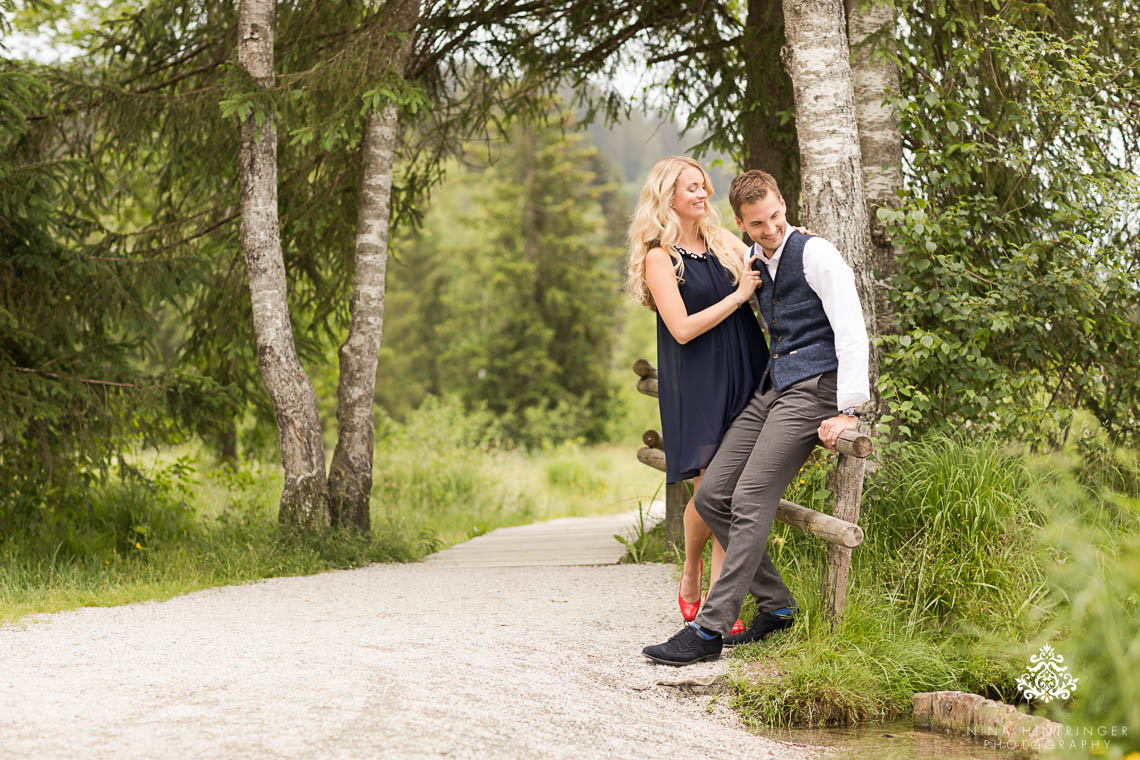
[749, 281]
[805, 231]
[661, 279]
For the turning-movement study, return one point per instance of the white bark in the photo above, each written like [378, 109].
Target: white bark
[831, 197]
[870, 29]
[294, 402]
[350, 476]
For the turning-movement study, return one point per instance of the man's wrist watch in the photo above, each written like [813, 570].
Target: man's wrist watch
[851, 412]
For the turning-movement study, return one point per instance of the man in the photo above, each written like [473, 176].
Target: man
[811, 390]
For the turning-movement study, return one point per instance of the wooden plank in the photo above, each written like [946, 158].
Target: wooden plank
[563, 541]
[831, 529]
[652, 439]
[655, 458]
[855, 443]
[644, 369]
[648, 386]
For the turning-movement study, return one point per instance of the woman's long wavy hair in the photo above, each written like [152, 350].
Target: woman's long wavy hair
[655, 223]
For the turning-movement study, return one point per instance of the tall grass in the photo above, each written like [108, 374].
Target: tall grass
[951, 529]
[1091, 549]
[438, 479]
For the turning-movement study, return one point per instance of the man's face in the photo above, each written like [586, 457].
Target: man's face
[764, 222]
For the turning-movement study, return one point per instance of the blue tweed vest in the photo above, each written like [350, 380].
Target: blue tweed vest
[801, 340]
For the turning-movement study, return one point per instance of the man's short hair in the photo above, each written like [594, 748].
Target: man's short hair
[751, 186]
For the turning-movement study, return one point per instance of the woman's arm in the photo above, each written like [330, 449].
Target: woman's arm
[662, 283]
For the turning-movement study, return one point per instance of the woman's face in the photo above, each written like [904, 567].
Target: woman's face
[689, 194]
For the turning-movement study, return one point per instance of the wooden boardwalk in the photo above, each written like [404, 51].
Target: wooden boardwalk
[564, 542]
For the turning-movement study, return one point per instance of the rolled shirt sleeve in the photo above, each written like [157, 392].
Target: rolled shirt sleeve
[833, 281]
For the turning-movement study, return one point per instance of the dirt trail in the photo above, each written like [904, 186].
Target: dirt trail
[390, 661]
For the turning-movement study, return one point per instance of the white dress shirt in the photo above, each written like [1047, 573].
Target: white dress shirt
[833, 281]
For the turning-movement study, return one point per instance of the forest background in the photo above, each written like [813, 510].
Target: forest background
[139, 451]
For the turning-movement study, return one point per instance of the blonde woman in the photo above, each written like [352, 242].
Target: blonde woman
[711, 352]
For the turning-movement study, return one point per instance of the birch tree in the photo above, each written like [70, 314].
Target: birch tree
[350, 475]
[294, 402]
[870, 29]
[831, 199]
[831, 195]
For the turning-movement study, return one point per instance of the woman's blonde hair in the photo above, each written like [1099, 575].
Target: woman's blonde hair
[655, 223]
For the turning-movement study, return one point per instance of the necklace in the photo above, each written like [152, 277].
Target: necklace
[690, 254]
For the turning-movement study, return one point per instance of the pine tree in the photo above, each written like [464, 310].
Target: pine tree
[75, 316]
[533, 300]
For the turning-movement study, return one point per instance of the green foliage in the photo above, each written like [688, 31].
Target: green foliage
[974, 557]
[644, 543]
[1092, 553]
[714, 64]
[74, 320]
[529, 320]
[1018, 295]
[951, 524]
[508, 297]
[177, 526]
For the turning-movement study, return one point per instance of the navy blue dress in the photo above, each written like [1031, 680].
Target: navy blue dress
[703, 385]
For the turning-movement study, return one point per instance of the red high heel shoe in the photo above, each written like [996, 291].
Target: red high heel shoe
[689, 610]
[737, 628]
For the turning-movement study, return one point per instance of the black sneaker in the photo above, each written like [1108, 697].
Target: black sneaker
[684, 648]
[763, 625]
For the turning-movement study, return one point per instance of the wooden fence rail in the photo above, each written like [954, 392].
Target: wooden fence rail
[840, 529]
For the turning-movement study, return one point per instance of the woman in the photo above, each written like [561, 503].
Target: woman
[711, 352]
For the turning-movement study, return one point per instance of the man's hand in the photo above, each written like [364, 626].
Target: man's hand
[830, 428]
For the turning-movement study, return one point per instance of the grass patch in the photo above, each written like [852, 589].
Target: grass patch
[974, 557]
[646, 544]
[187, 525]
[148, 541]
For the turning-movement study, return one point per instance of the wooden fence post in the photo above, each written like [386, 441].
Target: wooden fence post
[849, 472]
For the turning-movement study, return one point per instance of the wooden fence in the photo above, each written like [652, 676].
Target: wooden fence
[840, 529]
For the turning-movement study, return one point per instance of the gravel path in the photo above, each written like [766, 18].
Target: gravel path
[391, 661]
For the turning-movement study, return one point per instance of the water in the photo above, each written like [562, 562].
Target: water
[891, 741]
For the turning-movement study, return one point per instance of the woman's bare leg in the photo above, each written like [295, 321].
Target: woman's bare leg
[696, 534]
[717, 562]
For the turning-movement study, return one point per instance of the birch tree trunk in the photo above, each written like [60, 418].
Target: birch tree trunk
[831, 195]
[303, 502]
[350, 475]
[831, 198]
[870, 29]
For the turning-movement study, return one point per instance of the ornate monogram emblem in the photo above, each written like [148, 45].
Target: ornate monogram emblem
[1046, 679]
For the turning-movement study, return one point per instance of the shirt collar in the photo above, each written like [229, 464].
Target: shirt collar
[772, 262]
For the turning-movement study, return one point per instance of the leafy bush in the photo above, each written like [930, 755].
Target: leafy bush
[1018, 291]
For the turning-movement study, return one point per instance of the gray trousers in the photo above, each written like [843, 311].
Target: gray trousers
[760, 455]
